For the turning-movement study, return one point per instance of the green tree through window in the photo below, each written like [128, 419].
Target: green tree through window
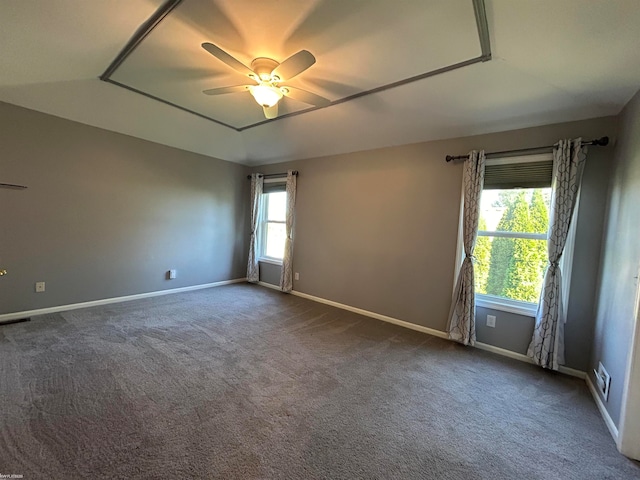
[482, 253]
[512, 266]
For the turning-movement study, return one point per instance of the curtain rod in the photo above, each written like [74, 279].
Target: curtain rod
[599, 142]
[273, 175]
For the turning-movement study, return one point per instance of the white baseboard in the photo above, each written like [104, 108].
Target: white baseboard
[503, 351]
[573, 372]
[608, 421]
[523, 358]
[378, 316]
[420, 328]
[366, 313]
[94, 303]
[270, 285]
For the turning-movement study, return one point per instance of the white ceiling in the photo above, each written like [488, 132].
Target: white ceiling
[553, 61]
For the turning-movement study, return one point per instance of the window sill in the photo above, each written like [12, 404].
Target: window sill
[272, 261]
[505, 305]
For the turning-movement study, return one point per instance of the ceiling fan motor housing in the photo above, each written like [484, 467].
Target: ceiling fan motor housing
[263, 67]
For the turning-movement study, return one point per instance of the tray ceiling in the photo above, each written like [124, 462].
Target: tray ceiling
[551, 62]
[398, 40]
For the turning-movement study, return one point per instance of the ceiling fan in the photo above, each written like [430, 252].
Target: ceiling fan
[268, 75]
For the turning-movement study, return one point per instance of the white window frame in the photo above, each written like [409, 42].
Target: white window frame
[518, 307]
[263, 257]
[528, 309]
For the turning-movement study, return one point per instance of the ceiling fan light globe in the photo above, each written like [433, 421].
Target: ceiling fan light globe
[265, 95]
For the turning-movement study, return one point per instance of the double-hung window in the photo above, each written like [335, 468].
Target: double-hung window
[511, 248]
[273, 227]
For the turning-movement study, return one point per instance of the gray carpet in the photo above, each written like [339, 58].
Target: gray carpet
[242, 382]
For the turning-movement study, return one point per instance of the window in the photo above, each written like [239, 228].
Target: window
[511, 249]
[273, 229]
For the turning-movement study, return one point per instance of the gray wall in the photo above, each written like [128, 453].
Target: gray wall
[377, 230]
[620, 260]
[270, 273]
[512, 331]
[107, 215]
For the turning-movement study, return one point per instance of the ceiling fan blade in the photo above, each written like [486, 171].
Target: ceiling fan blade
[271, 112]
[223, 90]
[228, 59]
[304, 96]
[294, 65]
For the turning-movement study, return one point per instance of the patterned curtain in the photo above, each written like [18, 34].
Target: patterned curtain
[462, 327]
[253, 269]
[286, 275]
[547, 345]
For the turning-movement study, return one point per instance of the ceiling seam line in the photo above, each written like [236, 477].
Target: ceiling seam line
[379, 89]
[483, 27]
[166, 102]
[140, 34]
[355, 96]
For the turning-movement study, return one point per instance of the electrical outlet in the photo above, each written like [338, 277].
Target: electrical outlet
[296, 276]
[491, 321]
[603, 380]
[40, 287]
[172, 274]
